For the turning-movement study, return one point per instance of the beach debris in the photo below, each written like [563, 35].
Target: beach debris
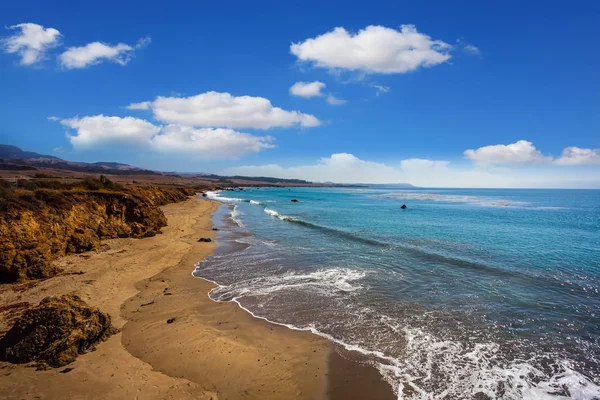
[295, 201]
[205, 240]
[55, 332]
[215, 229]
[404, 207]
[171, 320]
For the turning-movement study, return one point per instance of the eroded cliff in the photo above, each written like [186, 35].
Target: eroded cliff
[41, 224]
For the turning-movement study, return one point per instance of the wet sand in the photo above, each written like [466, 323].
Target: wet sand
[210, 350]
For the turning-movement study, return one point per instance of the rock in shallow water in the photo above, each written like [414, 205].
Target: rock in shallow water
[55, 332]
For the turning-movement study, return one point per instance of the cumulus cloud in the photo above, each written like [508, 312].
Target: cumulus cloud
[521, 152]
[100, 131]
[469, 48]
[214, 109]
[375, 49]
[380, 89]
[579, 156]
[421, 163]
[143, 42]
[31, 43]
[97, 52]
[144, 105]
[307, 89]
[347, 168]
[339, 167]
[219, 142]
[334, 101]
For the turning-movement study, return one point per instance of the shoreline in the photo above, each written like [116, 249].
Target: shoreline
[212, 349]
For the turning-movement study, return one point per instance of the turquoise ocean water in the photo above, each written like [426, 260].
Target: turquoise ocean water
[465, 293]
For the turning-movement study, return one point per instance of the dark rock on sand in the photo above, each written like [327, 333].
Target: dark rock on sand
[171, 320]
[55, 332]
[205, 240]
[403, 206]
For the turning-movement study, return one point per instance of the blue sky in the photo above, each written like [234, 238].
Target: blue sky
[522, 78]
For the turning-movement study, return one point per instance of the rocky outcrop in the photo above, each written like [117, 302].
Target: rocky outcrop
[37, 226]
[55, 332]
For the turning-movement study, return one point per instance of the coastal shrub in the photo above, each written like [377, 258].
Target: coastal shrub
[88, 184]
[54, 198]
[53, 184]
[26, 184]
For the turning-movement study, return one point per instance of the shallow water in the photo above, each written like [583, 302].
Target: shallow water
[495, 292]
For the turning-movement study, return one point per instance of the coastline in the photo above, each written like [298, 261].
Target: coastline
[211, 350]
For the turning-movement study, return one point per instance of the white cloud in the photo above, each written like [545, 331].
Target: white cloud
[339, 167]
[579, 156]
[347, 168]
[214, 109]
[421, 163]
[143, 42]
[334, 101]
[99, 130]
[144, 105]
[97, 52]
[379, 89]
[307, 89]
[209, 143]
[521, 152]
[32, 43]
[469, 48]
[375, 49]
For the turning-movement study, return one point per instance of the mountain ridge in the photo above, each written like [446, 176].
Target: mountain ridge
[13, 155]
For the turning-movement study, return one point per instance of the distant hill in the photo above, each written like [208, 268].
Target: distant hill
[262, 179]
[9, 152]
[13, 158]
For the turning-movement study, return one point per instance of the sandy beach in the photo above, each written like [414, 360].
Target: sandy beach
[210, 351]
